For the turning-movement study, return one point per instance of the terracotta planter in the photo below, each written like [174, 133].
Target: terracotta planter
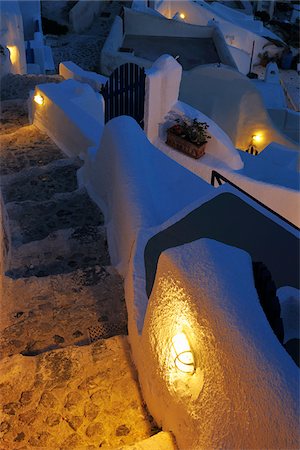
[184, 146]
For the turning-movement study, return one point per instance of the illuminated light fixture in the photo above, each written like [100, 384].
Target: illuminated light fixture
[182, 353]
[38, 99]
[257, 138]
[182, 16]
[13, 53]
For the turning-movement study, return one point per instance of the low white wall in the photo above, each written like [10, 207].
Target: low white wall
[72, 115]
[220, 147]
[70, 70]
[31, 11]
[82, 14]
[223, 51]
[162, 89]
[206, 290]
[111, 58]
[241, 58]
[140, 23]
[12, 36]
[42, 54]
[287, 121]
[236, 34]
[234, 103]
[279, 198]
[135, 185]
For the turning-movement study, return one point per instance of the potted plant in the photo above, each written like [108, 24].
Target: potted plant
[188, 136]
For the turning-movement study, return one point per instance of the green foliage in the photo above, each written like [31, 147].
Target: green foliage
[192, 130]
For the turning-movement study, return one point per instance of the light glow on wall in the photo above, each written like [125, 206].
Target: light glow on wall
[257, 138]
[182, 354]
[182, 16]
[38, 99]
[13, 54]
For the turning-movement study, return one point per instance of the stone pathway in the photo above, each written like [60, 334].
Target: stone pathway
[66, 376]
[85, 48]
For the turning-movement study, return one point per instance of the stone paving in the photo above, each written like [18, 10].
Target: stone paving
[66, 376]
[73, 398]
[83, 49]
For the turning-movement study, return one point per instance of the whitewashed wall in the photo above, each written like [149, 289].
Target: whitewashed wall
[12, 36]
[31, 11]
[70, 70]
[235, 34]
[162, 89]
[72, 115]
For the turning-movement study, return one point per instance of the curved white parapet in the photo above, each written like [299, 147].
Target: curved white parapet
[232, 100]
[135, 185]
[68, 69]
[71, 113]
[12, 36]
[219, 146]
[238, 29]
[232, 371]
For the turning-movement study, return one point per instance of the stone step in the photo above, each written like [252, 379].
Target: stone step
[14, 114]
[60, 252]
[39, 314]
[41, 183]
[73, 398]
[15, 86]
[25, 148]
[32, 221]
[161, 441]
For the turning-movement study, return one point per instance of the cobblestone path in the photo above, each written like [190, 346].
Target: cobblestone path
[66, 377]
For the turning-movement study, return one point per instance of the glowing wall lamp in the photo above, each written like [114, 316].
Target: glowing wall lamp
[13, 54]
[38, 99]
[178, 16]
[182, 354]
[255, 139]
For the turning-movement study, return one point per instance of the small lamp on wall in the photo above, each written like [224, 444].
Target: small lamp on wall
[179, 16]
[182, 354]
[252, 147]
[39, 99]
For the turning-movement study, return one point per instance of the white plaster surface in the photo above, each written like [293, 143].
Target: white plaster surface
[72, 115]
[206, 289]
[272, 177]
[233, 102]
[162, 89]
[11, 34]
[219, 147]
[140, 23]
[68, 69]
[239, 30]
[135, 185]
[31, 11]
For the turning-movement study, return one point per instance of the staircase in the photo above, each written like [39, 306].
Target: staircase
[66, 376]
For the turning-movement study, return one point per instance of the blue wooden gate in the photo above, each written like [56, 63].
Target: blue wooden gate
[124, 93]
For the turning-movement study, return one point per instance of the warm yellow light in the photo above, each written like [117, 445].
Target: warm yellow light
[257, 138]
[38, 99]
[182, 16]
[182, 354]
[13, 53]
